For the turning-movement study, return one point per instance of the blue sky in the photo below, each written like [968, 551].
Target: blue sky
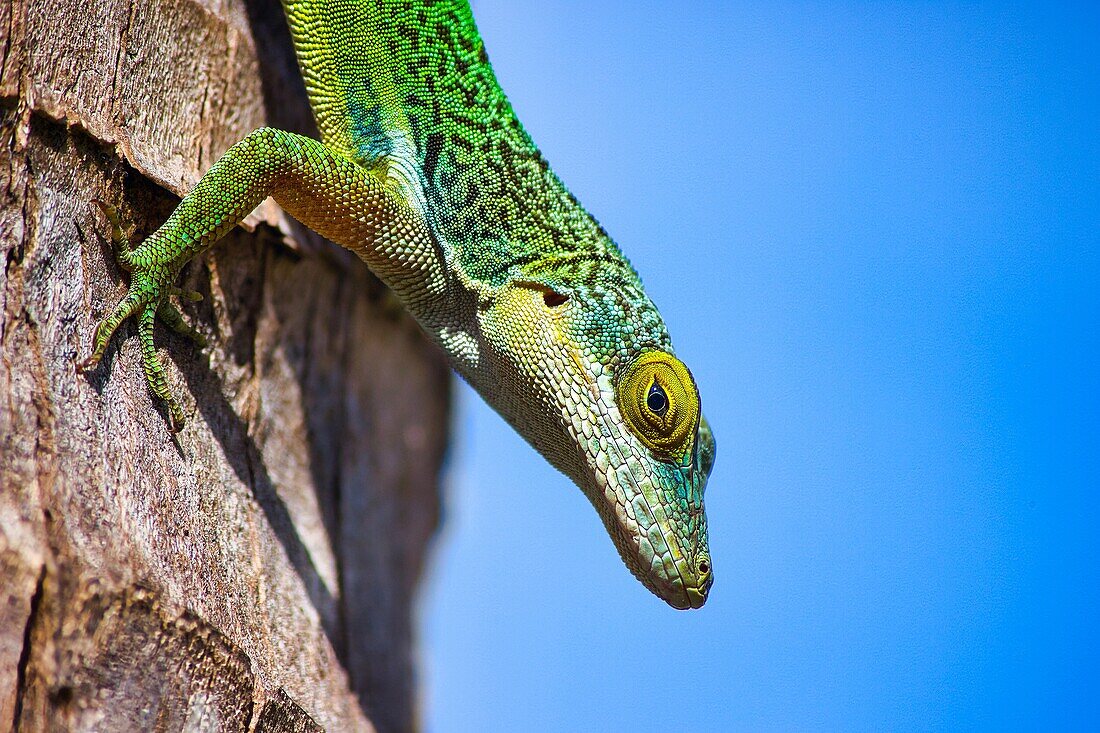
[872, 230]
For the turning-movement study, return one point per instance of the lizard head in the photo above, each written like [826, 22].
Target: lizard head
[587, 376]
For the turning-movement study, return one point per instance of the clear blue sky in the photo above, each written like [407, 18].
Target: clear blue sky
[873, 232]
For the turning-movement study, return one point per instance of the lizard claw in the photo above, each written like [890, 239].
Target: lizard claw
[172, 318]
[154, 367]
[150, 286]
[107, 327]
[192, 295]
[120, 243]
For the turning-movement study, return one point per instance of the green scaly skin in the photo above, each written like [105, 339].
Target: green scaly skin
[424, 172]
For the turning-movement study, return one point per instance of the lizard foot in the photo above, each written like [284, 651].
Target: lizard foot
[147, 297]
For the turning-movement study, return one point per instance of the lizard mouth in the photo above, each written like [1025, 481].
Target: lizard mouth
[693, 588]
[696, 596]
[685, 596]
[689, 597]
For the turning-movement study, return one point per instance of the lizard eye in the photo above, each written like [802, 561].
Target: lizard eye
[659, 401]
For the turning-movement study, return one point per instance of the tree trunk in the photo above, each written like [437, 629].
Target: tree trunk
[257, 571]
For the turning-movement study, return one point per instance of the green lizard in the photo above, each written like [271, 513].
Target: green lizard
[425, 173]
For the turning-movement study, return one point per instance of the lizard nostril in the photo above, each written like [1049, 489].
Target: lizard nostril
[704, 567]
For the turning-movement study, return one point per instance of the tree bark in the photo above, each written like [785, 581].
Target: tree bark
[257, 571]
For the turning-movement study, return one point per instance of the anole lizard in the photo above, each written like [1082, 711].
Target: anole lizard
[424, 171]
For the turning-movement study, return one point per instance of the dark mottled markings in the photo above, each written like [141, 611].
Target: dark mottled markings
[489, 193]
[483, 177]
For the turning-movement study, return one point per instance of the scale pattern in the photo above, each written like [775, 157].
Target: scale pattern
[424, 171]
[408, 85]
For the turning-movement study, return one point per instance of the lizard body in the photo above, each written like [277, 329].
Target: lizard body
[424, 171]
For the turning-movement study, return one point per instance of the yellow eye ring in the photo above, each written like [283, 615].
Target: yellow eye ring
[660, 403]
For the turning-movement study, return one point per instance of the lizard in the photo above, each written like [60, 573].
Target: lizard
[424, 171]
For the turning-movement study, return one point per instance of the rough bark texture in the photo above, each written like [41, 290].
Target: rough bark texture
[258, 571]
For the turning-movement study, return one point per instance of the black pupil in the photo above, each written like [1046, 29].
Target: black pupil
[657, 400]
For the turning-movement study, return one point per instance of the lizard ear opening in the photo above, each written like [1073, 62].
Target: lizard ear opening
[553, 299]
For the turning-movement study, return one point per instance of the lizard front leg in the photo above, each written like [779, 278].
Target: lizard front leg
[327, 192]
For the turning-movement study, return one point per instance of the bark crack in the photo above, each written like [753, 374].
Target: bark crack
[25, 652]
